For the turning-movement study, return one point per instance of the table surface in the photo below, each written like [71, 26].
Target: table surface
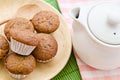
[70, 71]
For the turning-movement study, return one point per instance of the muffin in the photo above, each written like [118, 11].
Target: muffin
[19, 66]
[46, 21]
[4, 46]
[46, 49]
[23, 42]
[20, 23]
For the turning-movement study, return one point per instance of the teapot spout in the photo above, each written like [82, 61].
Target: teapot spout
[74, 13]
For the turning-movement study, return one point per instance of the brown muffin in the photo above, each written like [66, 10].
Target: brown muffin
[20, 65]
[25, 41]
[46, 21]
[4, 46]
[20, 23]
[24, 36]
[46, 49]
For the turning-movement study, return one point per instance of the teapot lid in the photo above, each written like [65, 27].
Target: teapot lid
[104, 22]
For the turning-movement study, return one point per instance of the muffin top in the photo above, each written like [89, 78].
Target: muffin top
[20, 23]
[24, 36]
[47, 47]
[46, 21]
[18, 64]
[4, 46]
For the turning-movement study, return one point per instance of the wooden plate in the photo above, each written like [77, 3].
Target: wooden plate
[43, 71]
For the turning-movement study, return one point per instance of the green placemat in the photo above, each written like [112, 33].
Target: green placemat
[71, 71]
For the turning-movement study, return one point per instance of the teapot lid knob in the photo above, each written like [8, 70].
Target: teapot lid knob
[114, 18]
[100, 19]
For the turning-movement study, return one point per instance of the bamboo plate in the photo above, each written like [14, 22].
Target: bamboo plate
[43, 71]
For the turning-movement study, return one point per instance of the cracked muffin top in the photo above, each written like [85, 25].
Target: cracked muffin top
[46, 22]
[19, 23]
[47, 47]
[18, 64]
[4, 46]
[24, 36]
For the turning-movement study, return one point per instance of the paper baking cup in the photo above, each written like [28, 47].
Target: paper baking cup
[17, 76]
[45, 60]
[21, 48]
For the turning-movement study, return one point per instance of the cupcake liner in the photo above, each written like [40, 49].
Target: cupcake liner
[17, 76]
[45, 60]
[21, 48]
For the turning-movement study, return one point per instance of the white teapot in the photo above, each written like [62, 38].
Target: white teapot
[96, 34]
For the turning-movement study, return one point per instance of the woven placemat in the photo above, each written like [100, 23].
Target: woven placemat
[70, 71]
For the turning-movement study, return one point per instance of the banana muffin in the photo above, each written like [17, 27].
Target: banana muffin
[4, 46]
[46, 21]
[19, 66]
[23, 42]
[20, 23]
[46, 49]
